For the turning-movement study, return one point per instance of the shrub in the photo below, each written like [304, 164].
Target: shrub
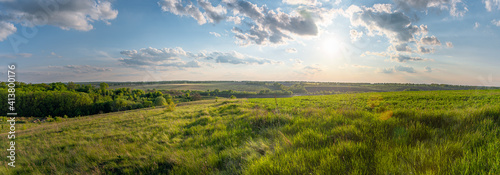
[160, 101]
[49, 119]
[148, 103]
[233, 97]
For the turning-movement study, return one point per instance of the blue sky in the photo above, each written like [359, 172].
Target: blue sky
[404, 41]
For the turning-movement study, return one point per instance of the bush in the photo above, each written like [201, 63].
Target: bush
[196, 97]
[233, 97]
[160, 101]
[148, 103]
[49, 119]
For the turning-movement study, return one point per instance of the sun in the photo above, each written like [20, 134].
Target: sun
[330, 46]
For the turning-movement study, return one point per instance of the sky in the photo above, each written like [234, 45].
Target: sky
[388, 41]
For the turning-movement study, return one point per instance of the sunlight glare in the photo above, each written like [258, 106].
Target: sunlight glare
[330, 47]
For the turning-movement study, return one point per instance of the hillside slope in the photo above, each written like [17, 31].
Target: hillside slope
[435, 132]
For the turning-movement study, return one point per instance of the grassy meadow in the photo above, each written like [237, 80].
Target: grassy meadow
[410, 132]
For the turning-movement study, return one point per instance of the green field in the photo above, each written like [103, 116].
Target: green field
[195, 86]
[411, 132]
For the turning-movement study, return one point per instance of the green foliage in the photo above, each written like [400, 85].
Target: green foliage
[160, 101]
[233, 97]
[170, 107]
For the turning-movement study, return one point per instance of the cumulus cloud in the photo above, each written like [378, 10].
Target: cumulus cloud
[215, 34]
[379, 20]
[66, 15]
[424, 50]
[430, 40]
[449, 44]
[291, 50]
[269, 26]
[177, 8]
[234, 58]
[456, 7]
[152, 56]
[178, 58]
[213, 14]
[301, 2]
[6, 29]
[86, 68]
[402, 48]
[265, 26]
[490, 5]
[496, 22]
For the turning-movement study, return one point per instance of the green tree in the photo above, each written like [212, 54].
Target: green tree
[71, 86]
[103, 86]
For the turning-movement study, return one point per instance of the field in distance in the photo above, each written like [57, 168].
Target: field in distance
[310, 87]
[424, 132]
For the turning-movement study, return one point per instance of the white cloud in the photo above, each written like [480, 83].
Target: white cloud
[265, 26]
[86, 68]
[430, 40]
[178, 58]
[405, 58]
[215, 34]
[235, 19]
[490, 5]
[176, 7]
[495, 22]
[269, 26]
[55, 55]
[302, 2]
[213, 14]
[76, 15]
[152, 56]
[476, 25]
[291, 50]
[6, 29]
[402, 48]
[355, 35]
[449, 44]
[234, 58]
[424, 50]
[394, 25]
[456, 7]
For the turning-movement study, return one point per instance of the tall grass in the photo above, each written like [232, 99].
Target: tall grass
[445, 132]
